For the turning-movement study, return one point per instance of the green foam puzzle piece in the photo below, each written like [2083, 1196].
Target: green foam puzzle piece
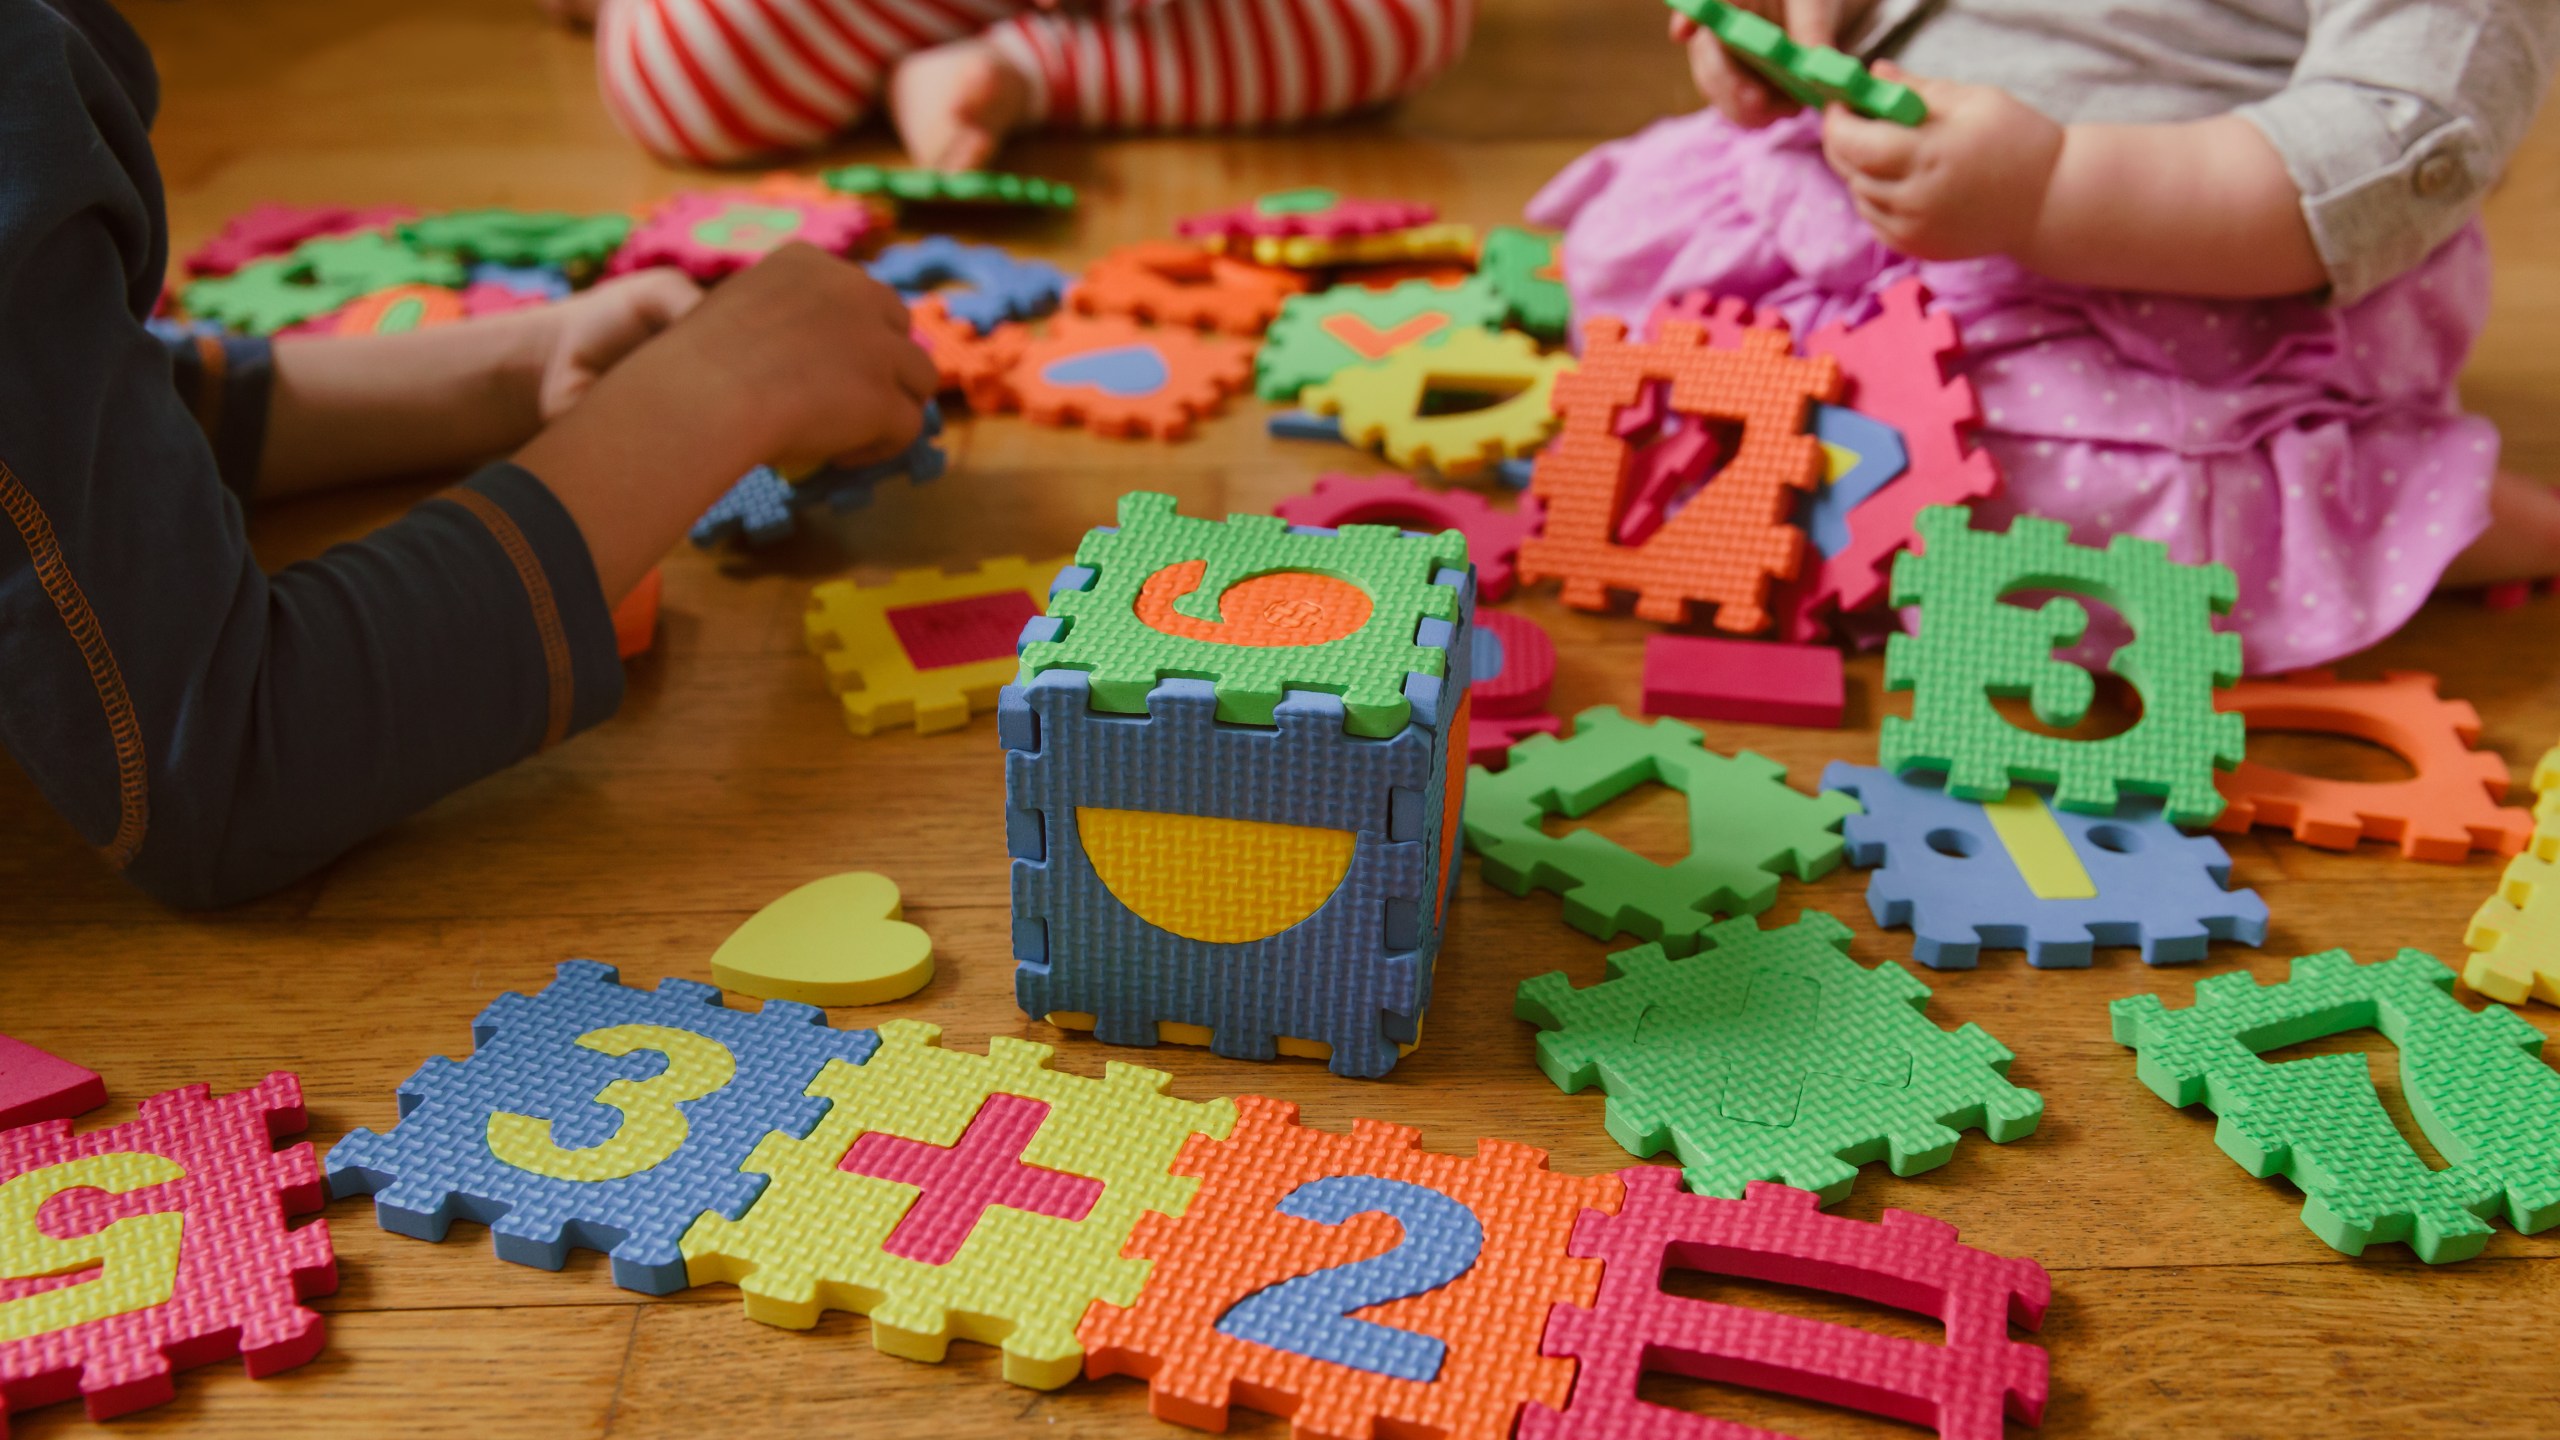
[313, 279]
[1771, 1055]
[2475, 1082]
[522, 237]
[1521, 266]
[1815, 75]
[1746, 825]
[952, 187]
[1970, 647]
[1101, 632]
[1316, 337]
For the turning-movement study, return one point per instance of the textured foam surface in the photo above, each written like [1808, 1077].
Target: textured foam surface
[1525, 269]
[1316, 337]
[1493, 536]
[1172, 283]
[1384, 404]
[994, 286]
[929, 648]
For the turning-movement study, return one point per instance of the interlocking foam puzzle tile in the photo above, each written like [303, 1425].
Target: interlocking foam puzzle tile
[1514, 669]
[1318, 336]
[1973, 645]
[1962, 1386]
[952, 187]
[1301, 425]
[1526, 270]
[392, 311]
[170, 1233]
[1384, 404]
[2443, 811]
[35, 1085]
[763, 508]
[2017, 874]
[712, 234]
[949, 1194]
[543, 283]
[1746, 825]
[316, 277]
[1493, 536]
[1815, 75]
[1734, 537]
[1861, 456]
[1311, 210]
[1771, 1055]
[596, 1116]
[2475, 1082]
[976, 365]
[1451, 1261]
[929, 647]
[1258, 606]
[997, 286]
[1171, 283]
[1441, 243]
[2515, 934]
[1114, 376]
[2546, 785]
[553, 238]
[1758, 682]
[838, 940]
[267, 230]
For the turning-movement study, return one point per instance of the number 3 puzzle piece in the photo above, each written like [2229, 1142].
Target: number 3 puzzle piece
[1170, 283]
[1115, 377]
[1384, 403]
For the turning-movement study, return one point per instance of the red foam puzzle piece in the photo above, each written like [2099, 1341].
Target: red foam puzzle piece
[939, 634]
[35, 1085]
[1511, 705]
[264, 230]
[959, 1182]
[1758, 682]
[1493, 536]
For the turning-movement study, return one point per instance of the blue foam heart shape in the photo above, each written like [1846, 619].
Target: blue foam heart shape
[1124, 370]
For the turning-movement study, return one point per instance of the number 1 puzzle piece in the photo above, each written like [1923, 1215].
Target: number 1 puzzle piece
[1815, 75]
[929, 647]
[1384, 404]
[37, 1086]
[1115, 377]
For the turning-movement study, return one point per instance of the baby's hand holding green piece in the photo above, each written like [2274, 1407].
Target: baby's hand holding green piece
[1970, 180]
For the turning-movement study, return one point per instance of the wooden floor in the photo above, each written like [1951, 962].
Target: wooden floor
[2189, 1301]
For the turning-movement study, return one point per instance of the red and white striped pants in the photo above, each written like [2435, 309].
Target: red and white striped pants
[713, 81]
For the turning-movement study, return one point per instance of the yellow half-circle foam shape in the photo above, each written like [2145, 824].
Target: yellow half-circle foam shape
[1223, 881]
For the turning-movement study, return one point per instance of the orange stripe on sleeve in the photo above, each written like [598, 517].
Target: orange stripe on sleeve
[546, 610]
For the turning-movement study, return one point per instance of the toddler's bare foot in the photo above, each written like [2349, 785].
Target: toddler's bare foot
[580, 13]
[954, 104]
[2523, 541]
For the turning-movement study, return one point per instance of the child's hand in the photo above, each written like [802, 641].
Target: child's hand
[592, 331]
[1730, 84]
[1970, 180]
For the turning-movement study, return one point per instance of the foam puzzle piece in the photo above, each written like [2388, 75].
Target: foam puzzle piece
[838, 940]
[541, 283]
[2017, 874]
[1384, 404]
[557, 239]
[171, 1231]
[2475, 1082]
[928, 648]
[1310, 210]
[1815, 75]
[997, 286]
[1170, 283]
[1514, 669]
[1746, 826]
[1255, 605]
[1964, 1386]
[952, 187]
[1318, 336]
[392, 311]
[1972, 646]
[764, 508]
[1437, 245]
[2515, 934]
[1758, 682]
[266, 230]
[1302, 425]
[1493, 536]
[713, 234]
[2445, 810]
[635, 618]
[1116, 377]
[36, 1085]
[1526, 270]
[1734, 537]
[949, 1195]
[316, 277]
[595, 1116]
[1861, 456]
[1446, 1339]
[976, 365]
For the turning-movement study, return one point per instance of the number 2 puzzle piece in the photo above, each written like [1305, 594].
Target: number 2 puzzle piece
[713, 234]
[928, 647]
[1384, 404]
[595, 1116]
[1318, 336]
[1816, 75]
[1356, 1283]
[2475, 1082]
[1513, 669]
[2017, 874]
[1170, 283]
[129, 1253]
[997, 286]
[1973, 646]
[1312, 210]
[2515, 934]
[1963, 1387]
[948, 1194]
[1115, 377]
[37, 1086]
[1771, 1055]
[2443, 812]
[1493, 536]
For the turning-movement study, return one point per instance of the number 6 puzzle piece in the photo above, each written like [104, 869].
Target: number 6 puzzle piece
[595, 1116]
[1384, 403]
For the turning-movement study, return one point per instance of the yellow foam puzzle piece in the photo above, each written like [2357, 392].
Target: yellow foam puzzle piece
[2515, 934]
[836, 941]
[1381, 401]
[853, 630]
[2546, 784]
[1441, 240]
[1181, 872]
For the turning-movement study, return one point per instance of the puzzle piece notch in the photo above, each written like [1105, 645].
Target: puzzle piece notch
[1964, 1387]
[2442, 812]
[1170, 283]
[2515, 934]
[996, 286]
[36, 1085]
[1771, 1055]
[1383, 403]
[2475, 1082]
[1493, 536]
[929, 648]
[1315, 337]
[1814, 75]
[1118, 378]
[1754, 682]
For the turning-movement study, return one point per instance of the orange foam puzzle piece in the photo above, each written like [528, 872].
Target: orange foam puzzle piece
[1735, 536]
[635, 620]
[1116, 377]
[2443, 812]
[973, 364]
[1172, 283]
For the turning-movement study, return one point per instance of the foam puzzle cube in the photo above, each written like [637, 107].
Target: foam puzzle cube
[1237, 754]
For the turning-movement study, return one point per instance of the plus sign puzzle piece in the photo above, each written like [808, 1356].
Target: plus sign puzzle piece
[1493, 536]
[1386, 404]
[37, 1086]
[132, 1252]
[1171, 283]
[996, 287]
[1514, 669]
[1452, 1263]
[948, 1194]
[595, 1116]
[1318, 336]
[1116, 377]
[928, 648]
[1964, 1387]
[2475, 1081]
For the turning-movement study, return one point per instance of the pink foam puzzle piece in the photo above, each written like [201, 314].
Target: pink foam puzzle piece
[1758, 682]
[35, 1085]
[1515, 669]
[960, 1182]
[1965, 1388]
[264, 230]
[1493, 536]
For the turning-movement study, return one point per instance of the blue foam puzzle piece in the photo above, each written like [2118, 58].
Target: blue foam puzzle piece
[1001, 286]
[1356, 974]
[436, 1166]
[544, 280]
[763, 508]
[1303, 425]
[1311, 1315]
[1515, 471]
[1127, 371]
[1882, 458]
[2157, 888]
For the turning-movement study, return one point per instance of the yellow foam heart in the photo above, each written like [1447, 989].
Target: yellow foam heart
[836, 941]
